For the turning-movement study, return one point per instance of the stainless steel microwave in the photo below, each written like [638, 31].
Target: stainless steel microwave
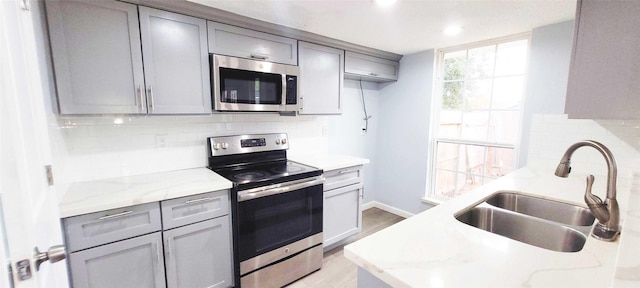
[249, 85]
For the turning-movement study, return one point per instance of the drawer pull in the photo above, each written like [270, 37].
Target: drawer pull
[106, 217]
[199, 200]
[346, 171]
[258, 57]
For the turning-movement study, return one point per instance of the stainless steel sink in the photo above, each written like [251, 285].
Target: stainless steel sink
[543, 208]
[525, 229]
[540, 222]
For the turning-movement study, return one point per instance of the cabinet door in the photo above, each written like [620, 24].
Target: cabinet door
[235, 41]
[96, 57]
[342, 213]
[199, 255]
[176, 62]
[136, 262]
[360, 66]
[321, 74]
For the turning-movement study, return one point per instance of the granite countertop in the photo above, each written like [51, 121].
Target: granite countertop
[98, 195]
[328, 162]
[433, 249]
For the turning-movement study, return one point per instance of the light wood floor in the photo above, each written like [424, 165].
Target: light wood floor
[338, 271]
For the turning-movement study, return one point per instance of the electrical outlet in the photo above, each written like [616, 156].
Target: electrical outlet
[161, 142]
[324, 130]
[363, 131]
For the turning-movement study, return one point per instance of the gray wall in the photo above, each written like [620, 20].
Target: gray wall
[345, 130]
[547, 76]
[403, 144]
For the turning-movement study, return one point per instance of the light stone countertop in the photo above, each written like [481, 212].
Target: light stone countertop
[433, 249]
[328, 162]
[98, 195]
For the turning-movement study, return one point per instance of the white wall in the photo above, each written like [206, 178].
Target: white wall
[403, 135]
[345, 134]
[547, 76]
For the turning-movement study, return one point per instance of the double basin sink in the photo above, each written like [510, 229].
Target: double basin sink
[540, 222]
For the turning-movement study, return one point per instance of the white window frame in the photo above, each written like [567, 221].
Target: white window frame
[430, 194]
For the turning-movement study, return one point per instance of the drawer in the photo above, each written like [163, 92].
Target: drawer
[103, 227]
[191, 209]
[342, 177]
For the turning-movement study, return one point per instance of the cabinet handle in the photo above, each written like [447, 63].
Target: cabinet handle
[199, 200]
[169, 249]
[150, 91]
[158, 251]
[124, 213]
[373, 74]
[346, 171]
[140, 98]
[258, 57]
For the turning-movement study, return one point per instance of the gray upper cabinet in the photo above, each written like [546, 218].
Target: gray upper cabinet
[96, 56]
[98, 49]
[364, 67]
[176, 63]
[239, 42]
[321, 78]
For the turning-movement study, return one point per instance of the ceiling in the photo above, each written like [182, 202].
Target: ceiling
[407, 26]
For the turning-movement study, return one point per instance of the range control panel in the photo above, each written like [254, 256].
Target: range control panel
[239, 144]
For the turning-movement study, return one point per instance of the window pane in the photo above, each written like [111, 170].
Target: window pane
[447, 156]
[511, 58]
[478, 94]
[452, 95]
[450, 124]
[473, 162]
[504, 126]
[500, 161]
[481, 61]
[507, 92]
[454, 65]
[475, 124]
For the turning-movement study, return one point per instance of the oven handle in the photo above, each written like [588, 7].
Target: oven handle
[278, 189]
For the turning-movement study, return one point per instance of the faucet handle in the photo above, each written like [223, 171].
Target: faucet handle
[594, 202]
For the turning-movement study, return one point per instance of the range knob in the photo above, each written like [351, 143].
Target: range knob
[284, 141]
[225, 145]
[216, 146]
[277, 141]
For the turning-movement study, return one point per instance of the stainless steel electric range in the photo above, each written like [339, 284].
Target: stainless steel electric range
[276, 209]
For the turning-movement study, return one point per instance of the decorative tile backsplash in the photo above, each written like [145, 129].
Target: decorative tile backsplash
[551, 135]
[89, 148]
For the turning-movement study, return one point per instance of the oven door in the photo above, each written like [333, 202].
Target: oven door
[277, 216]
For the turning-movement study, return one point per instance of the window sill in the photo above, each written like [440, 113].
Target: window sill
[433, 201]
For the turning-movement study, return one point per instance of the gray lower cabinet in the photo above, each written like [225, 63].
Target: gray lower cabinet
[342, 205]
[198, 255]
[135, 262]
[186, 239]
[321, 78]
[97, 51]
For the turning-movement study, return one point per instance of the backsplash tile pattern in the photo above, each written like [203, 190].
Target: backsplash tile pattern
[551, 135]
[90, 148]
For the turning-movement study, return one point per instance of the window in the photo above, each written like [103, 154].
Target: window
[477, 115]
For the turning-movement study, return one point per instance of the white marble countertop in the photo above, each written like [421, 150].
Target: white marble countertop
[93, 196]
[433, 249]
[328, 162]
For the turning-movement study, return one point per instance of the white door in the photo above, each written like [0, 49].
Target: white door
[30, 213]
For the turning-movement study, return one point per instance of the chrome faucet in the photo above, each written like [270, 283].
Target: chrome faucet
[607, 213]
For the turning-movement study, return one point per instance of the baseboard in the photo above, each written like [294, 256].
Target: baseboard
[385, 207]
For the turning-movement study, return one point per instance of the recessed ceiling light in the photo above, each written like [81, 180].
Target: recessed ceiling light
[384, 3]
[452, 30]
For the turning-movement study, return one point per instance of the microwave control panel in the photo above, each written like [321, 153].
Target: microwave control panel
[292, 89]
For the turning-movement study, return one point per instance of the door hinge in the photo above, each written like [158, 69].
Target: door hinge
[49, 173]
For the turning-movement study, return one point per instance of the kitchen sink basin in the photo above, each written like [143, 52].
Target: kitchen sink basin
[523, 228]
[556, 211]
